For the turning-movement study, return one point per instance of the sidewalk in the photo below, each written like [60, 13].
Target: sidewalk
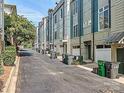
[10, 85]
[90, 66]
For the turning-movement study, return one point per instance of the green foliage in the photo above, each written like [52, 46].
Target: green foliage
[76, 62]
[8, 56]
[1, 70]
[19, 28]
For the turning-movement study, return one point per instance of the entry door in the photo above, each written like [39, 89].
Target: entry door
[120, 54]
[89, 51]
[120, 58]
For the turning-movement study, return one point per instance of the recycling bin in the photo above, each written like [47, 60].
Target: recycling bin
[101, 68]
[114, 70]
[67, 59]
[70, 59]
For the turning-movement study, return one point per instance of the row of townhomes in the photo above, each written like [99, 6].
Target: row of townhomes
[93, 29]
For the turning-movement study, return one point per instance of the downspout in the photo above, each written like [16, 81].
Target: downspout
[94, 24]
[71, 23]
[63, 29]
[53, 32]
[80, 25]
[93, 21]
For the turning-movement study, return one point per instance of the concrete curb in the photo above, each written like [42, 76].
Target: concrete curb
[83, 67]
[8, 83]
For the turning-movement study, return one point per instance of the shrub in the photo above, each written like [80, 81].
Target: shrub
[8, 56]
[1, 70]
[75, 62]
[1, 67]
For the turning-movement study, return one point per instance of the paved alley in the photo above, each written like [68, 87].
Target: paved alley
[39, 74]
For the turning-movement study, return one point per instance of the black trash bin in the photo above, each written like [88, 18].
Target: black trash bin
[53, 55]
[111, 69]
[65, 59]
[108, 67]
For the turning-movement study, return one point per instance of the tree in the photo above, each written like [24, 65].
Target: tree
[18, 29]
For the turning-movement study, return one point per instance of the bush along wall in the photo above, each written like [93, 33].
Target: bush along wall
[1, 66]
[9, 56]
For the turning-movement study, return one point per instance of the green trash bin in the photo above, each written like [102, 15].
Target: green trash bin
[65, 59]
[81, 59]
[101, 68]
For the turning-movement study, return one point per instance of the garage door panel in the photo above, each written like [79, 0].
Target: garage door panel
[103, 54]
[76, 52]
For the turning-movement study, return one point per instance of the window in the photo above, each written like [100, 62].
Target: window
[76, 47]
[99, 46]
[77, 34]
[76, 6]
[102, 46]
[107, 46]
[61, 13]
[55, 35]
[104, 17]
[101, 20]
[75, 31]
[55, 18]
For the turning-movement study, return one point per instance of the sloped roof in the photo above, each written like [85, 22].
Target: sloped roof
[115, 37]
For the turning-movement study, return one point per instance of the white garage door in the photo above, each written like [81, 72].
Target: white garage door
[76, 52]
[103, 54]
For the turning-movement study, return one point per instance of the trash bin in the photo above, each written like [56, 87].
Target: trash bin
[108, 67]
[111, 69]
[70, 59]
[65, 59]
[101, 68]
[53, 55]
[81, 59]
[114, 70]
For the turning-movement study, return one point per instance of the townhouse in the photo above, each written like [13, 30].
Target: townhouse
[100, 35]
[61, 27]
[97, 22]
[50, 29]
[43, 34]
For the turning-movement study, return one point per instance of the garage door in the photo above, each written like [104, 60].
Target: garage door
[76, 52]
[103, 54]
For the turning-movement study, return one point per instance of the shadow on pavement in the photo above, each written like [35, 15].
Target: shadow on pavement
[25, 53]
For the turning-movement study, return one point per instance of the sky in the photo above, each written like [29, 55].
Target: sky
[34, 10]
